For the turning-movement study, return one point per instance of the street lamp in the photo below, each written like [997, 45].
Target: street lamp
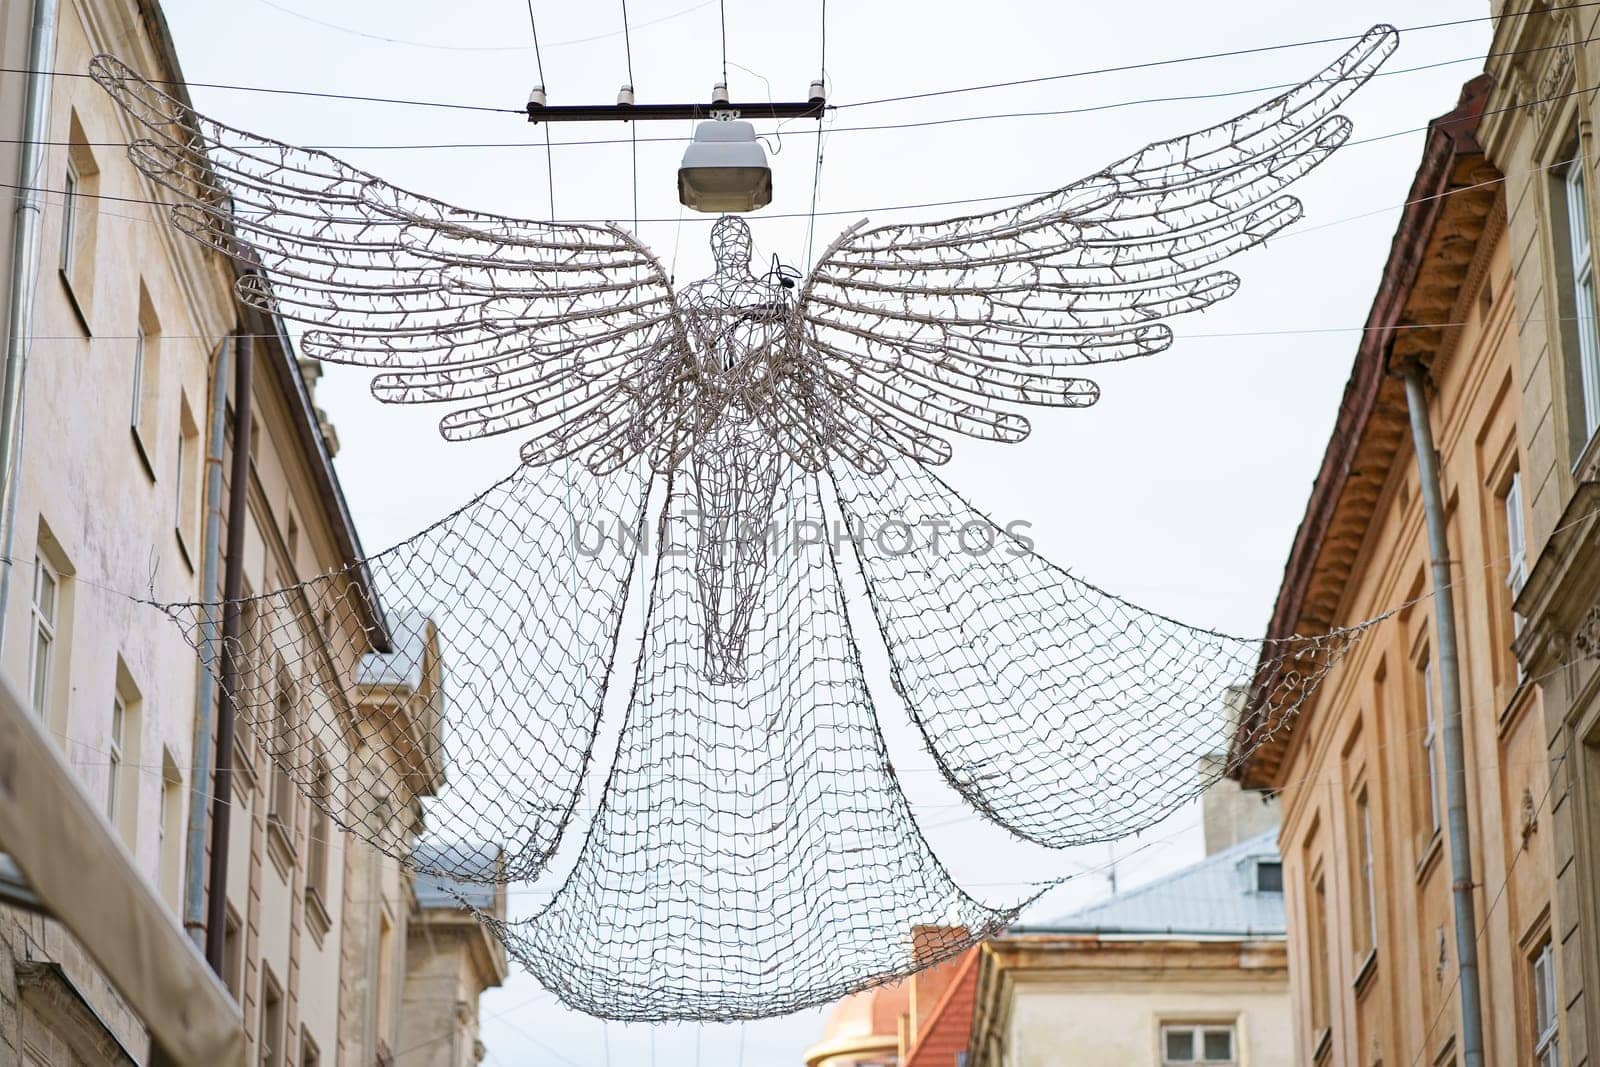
[724, 169]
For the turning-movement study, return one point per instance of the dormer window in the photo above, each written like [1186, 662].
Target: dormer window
[1269, 876]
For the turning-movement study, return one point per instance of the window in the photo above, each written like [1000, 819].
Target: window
[271, 1037]
[1366, 901]
[141, 349]
[144, 399]
[1581, 265]
[1546, 1044]
[123, 754]
[233, 954]
[310, 1055]
[186, 480]
[1318, 951]
[1187, 1044]
[1430, 742]
[41, 656]
[1516, 538]
[385, 984]
[1516, 550]
[79, 212]
[317, 843]
[119, 723]
[1269, 876]
[280, 804]
[69, 218]
[169, 827]
[291, 540]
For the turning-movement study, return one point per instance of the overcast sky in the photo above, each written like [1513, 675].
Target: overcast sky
[1181, 489]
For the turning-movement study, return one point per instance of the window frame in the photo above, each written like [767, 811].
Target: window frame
[1364, 863]
[69, 218]
[1580, 261]
[115, 738]
[233, 953]
[1198, 1031]
[141, 349]
[273, 1018]
[1262, 864]
[44, 639]
[1430, 741]
[1546, 1014]
[1321, 960]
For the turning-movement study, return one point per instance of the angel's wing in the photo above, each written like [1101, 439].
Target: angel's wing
[904, 332]
[565, 332]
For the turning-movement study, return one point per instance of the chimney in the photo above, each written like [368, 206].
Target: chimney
[929, 943]
[311, 373]
[1229, 813]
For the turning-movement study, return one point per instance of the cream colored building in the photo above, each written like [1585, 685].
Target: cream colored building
[1362, 769]
[1539, 129]
[1188, 969]
[121, 496]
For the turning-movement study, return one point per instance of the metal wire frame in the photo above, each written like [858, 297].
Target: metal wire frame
[752, 851]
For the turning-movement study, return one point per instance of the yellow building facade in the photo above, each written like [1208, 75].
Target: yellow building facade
[1361, 770]
[1540, 131]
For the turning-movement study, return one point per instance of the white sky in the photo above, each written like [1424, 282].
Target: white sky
[1181, 489]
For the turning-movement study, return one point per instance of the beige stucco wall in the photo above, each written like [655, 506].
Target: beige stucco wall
[1541, 117]
[1053, 1000]
[1118, 1023]
[1364, 729]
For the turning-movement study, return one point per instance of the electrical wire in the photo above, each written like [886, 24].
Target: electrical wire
[538, 56]
[474, 48]
[886, 126]
[633, 128]
[816, 173]
[312, 93]
[926, 204]
[1234, 53]
[1146, 65]
[722, 12]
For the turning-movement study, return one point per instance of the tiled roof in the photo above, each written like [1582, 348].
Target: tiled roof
[1216, 897]
[437, 891]
[948, 1029]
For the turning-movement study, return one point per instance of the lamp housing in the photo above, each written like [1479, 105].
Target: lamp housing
[724, 169]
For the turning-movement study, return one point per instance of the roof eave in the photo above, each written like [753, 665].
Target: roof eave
[1451, 137]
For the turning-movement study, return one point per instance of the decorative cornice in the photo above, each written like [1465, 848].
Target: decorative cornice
[1453, 211]
[1558, 602]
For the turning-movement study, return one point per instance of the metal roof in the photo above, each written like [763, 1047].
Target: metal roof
[402, 666]
[1216, 897]
[438, 891]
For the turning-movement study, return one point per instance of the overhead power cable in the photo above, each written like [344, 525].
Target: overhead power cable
[887, 126]
[1147, 65]
[923, 205]
[436, 46]
[875, 128]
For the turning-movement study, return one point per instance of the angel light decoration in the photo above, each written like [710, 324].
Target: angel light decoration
[751, 851]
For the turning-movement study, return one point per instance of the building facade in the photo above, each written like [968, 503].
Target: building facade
[1361, 770]
[1539, 130]
[123, 483]
[1189, 969]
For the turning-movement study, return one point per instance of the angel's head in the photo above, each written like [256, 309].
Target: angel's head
[731, 244]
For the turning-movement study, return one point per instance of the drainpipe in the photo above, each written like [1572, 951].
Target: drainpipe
[232, 588]
[1455, 770]
[24, 276]
[194, 889]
